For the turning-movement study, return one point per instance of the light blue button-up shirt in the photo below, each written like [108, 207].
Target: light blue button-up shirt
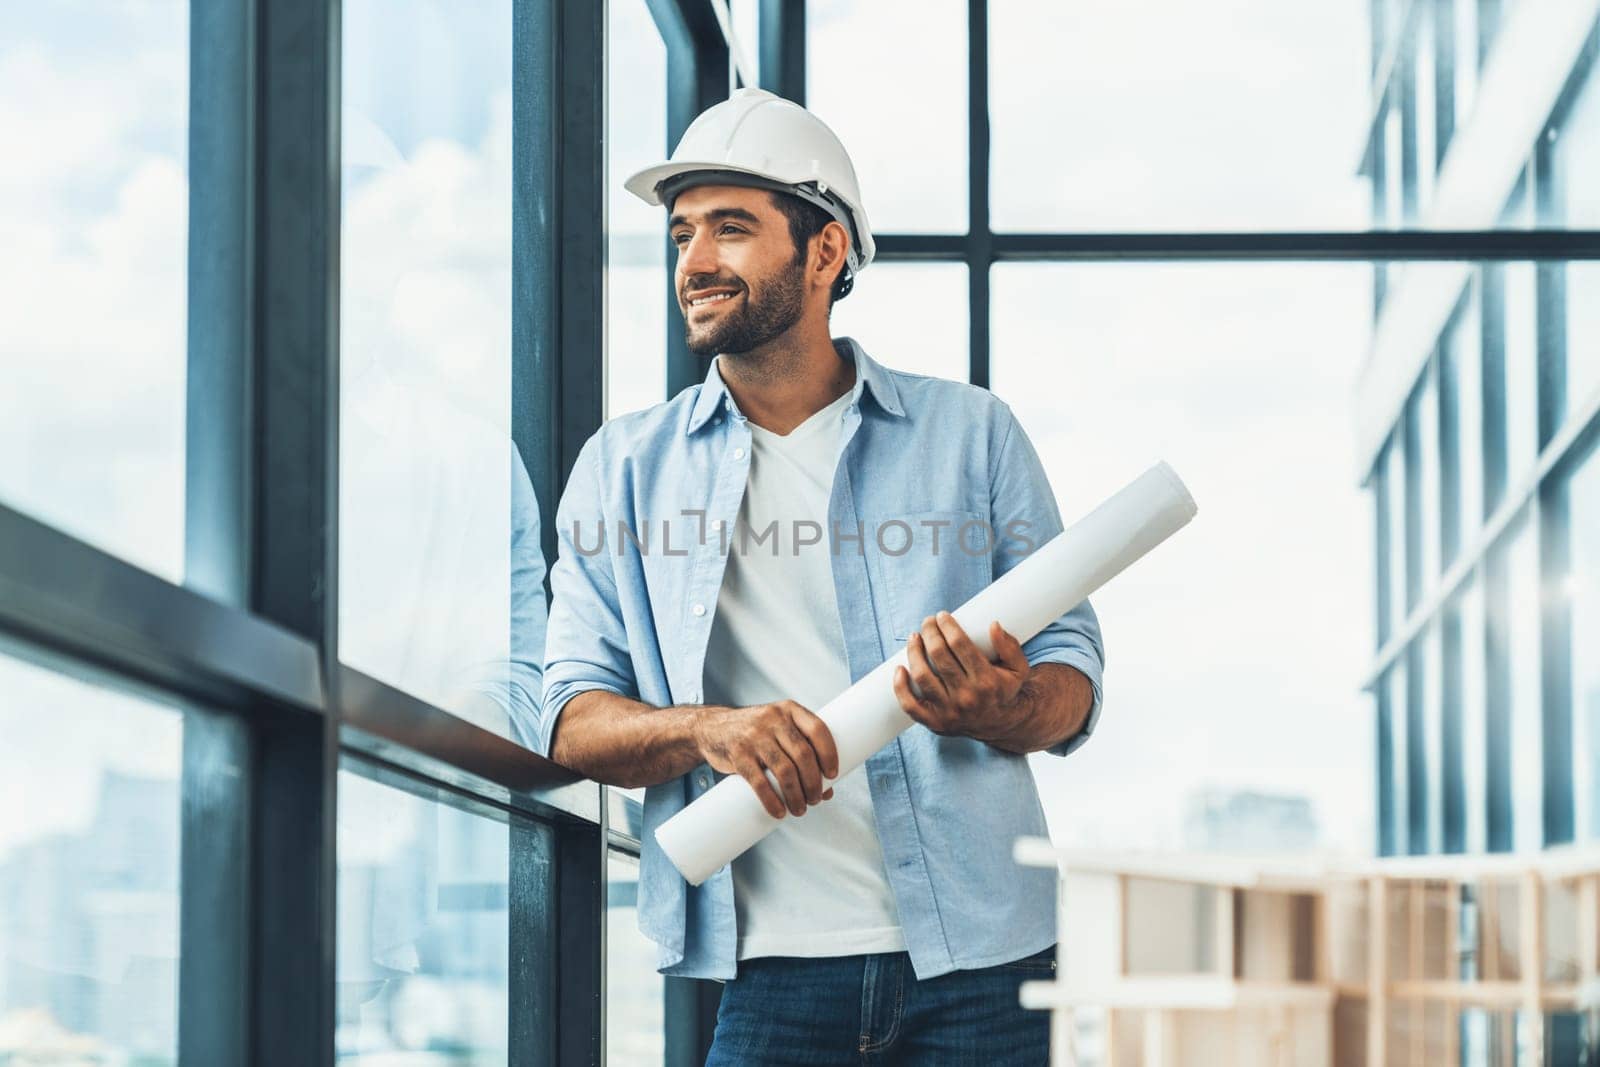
[937, 493]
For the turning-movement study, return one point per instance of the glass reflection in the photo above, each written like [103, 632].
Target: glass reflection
[441, 573]
[89, 876]
[423, 964]
[637, 285]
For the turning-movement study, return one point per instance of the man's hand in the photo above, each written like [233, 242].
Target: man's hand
[962, 692]
[784, 737]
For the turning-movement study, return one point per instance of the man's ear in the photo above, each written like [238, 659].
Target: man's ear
[833, 247]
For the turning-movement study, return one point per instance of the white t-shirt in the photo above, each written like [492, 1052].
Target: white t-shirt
[816, 886]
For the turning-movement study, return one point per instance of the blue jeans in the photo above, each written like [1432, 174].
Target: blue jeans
[873, 1010]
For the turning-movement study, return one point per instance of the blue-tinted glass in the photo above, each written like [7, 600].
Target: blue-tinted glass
[1399, 579]
[423, 931]
[1462, 356]
[94, 219]
[637, 318]
[430, 489]
[1522, 370]
[1464, 25]
[89, 877]
[1576, 165]
[911, 54]
[1527, 717]
[910, 316]
[1425, 101]
[635, 992]
[1474, 717]
[1582, 588]
[1426, 413]
[1401, 798]
[1433, 736]
[1112, 366]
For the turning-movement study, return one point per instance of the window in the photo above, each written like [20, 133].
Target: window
[1401, 801]
[1527, 704]
[1176, 116]
[1575, 159]
[1474, 717]
[436, 510]
[635, 992]
[1521, 369]
[910, 316]
[93, 226]
[1399, 576]
[1461, 425]
[1424, 97]
[89, 874]
[1112, 366]
[638, 274]
[913, 53]
[1464, 25]
[1431, 741]
[424, 930]
[1582, 590]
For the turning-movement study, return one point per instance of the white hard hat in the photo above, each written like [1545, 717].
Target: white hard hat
[757, 138]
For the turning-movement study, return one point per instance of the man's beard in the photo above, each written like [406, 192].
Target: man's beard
[760, 320]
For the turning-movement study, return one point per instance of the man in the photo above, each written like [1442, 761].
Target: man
[735, 557]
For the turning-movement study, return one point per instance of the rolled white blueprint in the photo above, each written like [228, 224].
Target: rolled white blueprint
[1053, 580]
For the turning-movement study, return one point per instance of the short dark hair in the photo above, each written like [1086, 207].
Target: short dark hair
[806, 220]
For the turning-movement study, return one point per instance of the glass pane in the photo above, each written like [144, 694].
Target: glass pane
[1395, 484]
[1520, 312]
[1462, 377]
[910, 316]
[913, 169]
[1583, 590]
[1170, 115]
[1426, 414]
[89, 875]
[423, 962]
[637, 286]
[1527, 715]
[1474, 717]
[1240, 374]
[1576, 170]
[635, 992]
[1398, 745]
[1464, 23]
[440, 570]
[94, 216]
[1433, 736]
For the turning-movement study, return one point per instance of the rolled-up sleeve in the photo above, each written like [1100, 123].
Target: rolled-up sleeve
[1024, 515]
[586, 646]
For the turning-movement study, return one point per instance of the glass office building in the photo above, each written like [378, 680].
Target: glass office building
[1477, 413]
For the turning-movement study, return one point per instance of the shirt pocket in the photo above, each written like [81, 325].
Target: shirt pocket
[947, 559]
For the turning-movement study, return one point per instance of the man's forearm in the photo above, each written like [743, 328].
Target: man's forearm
[622, 742]
[1053, 705]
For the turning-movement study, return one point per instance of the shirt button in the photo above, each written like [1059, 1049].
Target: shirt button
[699, 609]
[738, 453]
[703, 780]
[717, 419]
[716, 524]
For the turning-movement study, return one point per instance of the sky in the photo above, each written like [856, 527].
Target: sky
[1233, 657]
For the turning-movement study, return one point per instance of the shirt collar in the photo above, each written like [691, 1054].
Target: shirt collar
[871, 377]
